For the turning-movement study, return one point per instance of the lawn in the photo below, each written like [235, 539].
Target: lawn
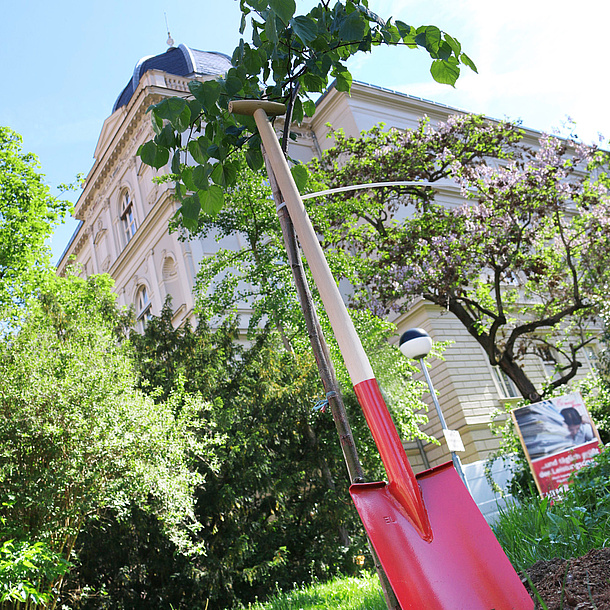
[363, 593]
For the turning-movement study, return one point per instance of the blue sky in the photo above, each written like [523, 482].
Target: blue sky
[64, 64]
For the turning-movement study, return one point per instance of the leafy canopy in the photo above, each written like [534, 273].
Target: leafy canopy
[290, 57]
[28, 213]
[75, 433]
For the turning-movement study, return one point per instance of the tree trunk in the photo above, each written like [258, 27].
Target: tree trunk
[522, 382]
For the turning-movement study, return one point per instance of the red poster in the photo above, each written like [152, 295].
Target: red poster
[553, 473]
[559, 438]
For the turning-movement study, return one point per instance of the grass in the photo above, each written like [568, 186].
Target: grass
[539, 529]
[351, 593]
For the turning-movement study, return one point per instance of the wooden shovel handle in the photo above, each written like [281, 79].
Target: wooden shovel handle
[248, 107]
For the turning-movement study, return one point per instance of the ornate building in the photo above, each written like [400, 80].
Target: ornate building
[124, 218]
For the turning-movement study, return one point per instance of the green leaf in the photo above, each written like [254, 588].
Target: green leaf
[234, 85]
[455, 45]
[182, 122]
[170, 108]
[187, 178]
[176, 163]
[254, 158]
[297, 111]
[271, 30]
[207, 93]
[404, 29]
[252, 60]
[468, 62]
[180, 191]
[429, 37]
[195, 106]
[153, 155]
[344, 81]
[224, 174]
[201, 176]
[284, 9]
[199, 149]
[157, 122]
[300, 175]
[166, 137]
[391, 35]
[444, 51]
[353, 27]
[313, 82]
[212, 200]
[305, 28]
[444, 72]
[309, 106]
[191, 206]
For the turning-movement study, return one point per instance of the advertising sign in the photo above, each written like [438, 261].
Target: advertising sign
[559, 438]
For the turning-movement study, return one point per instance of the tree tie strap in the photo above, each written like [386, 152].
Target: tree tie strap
[321, 405]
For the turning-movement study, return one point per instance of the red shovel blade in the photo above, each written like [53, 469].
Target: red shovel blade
[463, 567]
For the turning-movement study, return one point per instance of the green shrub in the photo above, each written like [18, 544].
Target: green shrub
[28, 572]
[541, 529]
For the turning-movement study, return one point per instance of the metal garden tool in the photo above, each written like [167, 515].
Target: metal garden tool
[434, 544]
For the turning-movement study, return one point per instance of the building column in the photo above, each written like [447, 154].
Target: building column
[154, 278]
[90, 231]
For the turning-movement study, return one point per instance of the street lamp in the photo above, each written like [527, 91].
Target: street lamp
[416, 344]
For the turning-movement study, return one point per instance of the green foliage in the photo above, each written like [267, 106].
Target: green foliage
[538, 529]
[276, 510]
[28, 214]
[289, 58]
[75, 433]
[28, 572]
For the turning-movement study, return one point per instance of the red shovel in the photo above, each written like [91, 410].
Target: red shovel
[435, 546]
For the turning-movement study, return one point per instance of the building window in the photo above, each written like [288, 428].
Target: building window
[550, 363]
[128, 218]
[504, 384]
[143, 308]
[592, 357]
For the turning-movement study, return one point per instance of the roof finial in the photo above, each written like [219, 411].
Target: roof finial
[170, 40]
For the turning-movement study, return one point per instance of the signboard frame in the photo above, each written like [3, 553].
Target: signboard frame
[558, 438]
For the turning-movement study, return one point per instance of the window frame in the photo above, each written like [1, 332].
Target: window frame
[127, 216]
[143, 305]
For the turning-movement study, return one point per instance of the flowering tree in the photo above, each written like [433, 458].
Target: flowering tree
[523, 263]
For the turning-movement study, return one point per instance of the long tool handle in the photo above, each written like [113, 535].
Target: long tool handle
[403, 483]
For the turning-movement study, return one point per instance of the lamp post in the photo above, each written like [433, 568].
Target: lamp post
[416, 344]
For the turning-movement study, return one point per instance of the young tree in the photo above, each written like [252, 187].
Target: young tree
[77, 436]
[523, 263]
[258, 276]
[290, 57]
[28, 213]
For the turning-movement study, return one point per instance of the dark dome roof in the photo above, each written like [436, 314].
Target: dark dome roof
[181, 61]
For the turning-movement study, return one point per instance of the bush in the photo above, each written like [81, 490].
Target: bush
[541, 529]
[28, 572]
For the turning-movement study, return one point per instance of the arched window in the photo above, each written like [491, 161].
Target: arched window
[143, 308]
[128, 218]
